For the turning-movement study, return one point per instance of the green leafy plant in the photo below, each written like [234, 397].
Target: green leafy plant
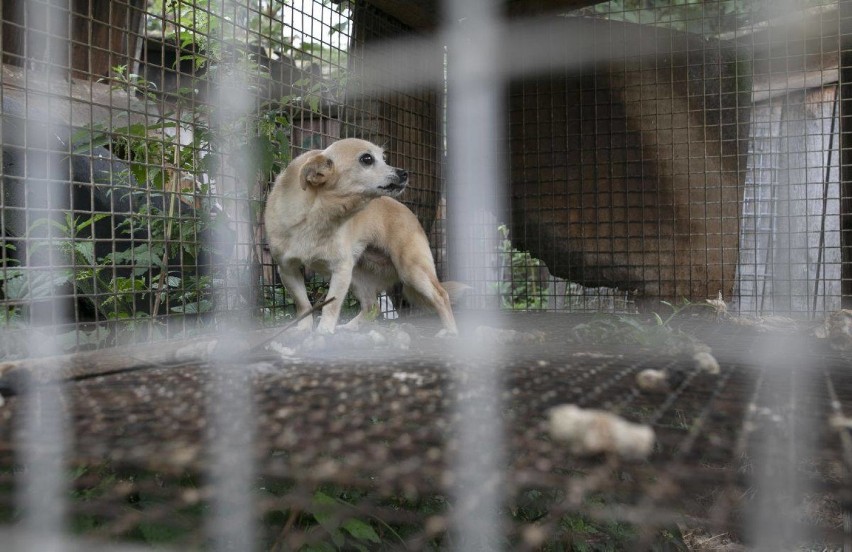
[194, 24]
[172, 203]
[166, 230]
[684, 15]
[133, 83]
[636, 330]
[330, 518]
[695, 16]
[519, 287]
[345, 529]
[89, 275]
[10, 314]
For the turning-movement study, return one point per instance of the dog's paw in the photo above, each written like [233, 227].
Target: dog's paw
[306, 324]
[445, 333]
[325, 329]
[352, 326]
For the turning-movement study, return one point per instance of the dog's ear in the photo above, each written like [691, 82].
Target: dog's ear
[316, 171]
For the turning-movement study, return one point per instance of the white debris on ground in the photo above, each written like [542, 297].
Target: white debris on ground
[285, 352]
[837, 329]
[417, 379]
[719, 305]
[653, 381]
[839, 422]
[377, 338]
[195, 350]
[487, 334]
[767, 324]
[706, 362]
[264, 368]
[371, 337]
[675, 342]
[588, 432]
[587, 354]
[763, 324]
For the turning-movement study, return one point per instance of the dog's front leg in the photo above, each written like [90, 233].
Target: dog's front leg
[341, 277]
[294, 282]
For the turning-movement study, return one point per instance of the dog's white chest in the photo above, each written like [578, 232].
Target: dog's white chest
[321, 253]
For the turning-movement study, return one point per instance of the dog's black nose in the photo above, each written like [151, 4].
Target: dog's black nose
[402, 174]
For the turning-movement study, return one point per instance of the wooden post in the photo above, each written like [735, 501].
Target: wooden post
[103, 34]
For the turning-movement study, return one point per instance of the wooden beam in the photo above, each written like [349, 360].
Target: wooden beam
[535, 7]
[426, 14]
[104, 34]
[103, 362]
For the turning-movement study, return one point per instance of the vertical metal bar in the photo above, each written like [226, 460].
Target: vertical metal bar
[231, 523]
[824, 214]
[845, 38]
[42, 435]
[475, 192]
[779, 433]
[475, 141]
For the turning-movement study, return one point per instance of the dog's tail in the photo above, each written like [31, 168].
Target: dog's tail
[456, 290]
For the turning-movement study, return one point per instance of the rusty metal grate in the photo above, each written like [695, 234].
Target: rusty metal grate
[379, 430]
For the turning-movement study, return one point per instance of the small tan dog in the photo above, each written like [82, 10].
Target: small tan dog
[332, 211]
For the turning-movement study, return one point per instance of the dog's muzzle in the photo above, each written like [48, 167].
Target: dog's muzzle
[396, 182]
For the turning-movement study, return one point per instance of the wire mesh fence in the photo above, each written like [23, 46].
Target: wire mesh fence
[678, 166]
[139, 152]
[694, 161]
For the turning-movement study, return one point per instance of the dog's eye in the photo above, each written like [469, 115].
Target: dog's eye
[367, 159]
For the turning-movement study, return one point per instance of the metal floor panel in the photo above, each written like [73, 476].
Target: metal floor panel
[760, 449]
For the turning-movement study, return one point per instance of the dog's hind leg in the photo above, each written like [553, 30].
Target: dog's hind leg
[294, 282]
[366, 289]
[341, 277]
[425, 287]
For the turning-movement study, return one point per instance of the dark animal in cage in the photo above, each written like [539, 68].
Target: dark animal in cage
[46, 176]
[97, 178]
[626, 172]
[183, 70]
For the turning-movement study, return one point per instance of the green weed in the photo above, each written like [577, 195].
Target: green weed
[636, 330]
[519, 287]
